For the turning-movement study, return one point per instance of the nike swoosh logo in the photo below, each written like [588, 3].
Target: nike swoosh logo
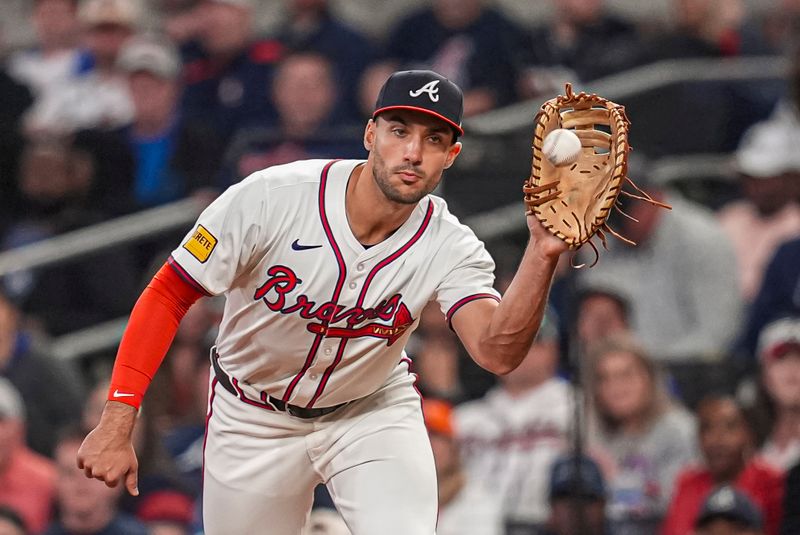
[297, 247]
[118, 394]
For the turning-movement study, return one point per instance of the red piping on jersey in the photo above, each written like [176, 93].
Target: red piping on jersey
[182, 273]
[208, 419]
[323, 216]
[382, 264]
[461, 302]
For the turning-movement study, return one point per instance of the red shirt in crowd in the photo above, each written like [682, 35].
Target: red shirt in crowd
[760, 482]
[28, 485]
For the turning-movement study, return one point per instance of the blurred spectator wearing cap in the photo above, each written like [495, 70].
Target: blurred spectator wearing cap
[27, 480]
[510, 437]
[778, 296]
[465, 506]
[778, 416]
[309, 125]
[29, 368]
[727, 445]
[728, 511]
[646, 434]
[312, 26]
[97, 95]
[577, 498]
[472, 44]
[228, 71]
[55, 57]
[768, 163]
[86, 506]
[66, 184]
[11, 523]
[174, 157]
[582, 42]
[680, 280]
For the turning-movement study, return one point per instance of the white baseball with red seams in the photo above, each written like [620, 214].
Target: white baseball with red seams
[314, 318]
[561, 147]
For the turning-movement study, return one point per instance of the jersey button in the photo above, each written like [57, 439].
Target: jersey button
[360, 267]
[353, 285]
[313, 376]
[327, 351]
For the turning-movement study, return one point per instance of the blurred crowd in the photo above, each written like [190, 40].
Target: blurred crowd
[662, 394]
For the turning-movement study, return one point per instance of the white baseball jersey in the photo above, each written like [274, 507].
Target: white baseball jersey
[509, 444]
[312, 316]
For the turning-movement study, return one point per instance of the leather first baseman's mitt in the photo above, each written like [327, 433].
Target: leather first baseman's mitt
[574, 201]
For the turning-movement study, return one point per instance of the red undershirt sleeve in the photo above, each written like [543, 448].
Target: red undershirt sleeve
[150, 331]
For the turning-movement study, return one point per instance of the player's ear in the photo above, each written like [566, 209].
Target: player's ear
[452, 154]
[369, 135]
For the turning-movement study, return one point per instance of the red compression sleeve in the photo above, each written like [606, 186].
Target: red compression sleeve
[151, 328]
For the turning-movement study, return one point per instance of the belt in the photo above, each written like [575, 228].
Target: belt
[299, 412]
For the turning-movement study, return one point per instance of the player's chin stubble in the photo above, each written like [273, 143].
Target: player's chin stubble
[381, 175]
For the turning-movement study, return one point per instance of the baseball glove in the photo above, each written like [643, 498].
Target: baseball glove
[574, 201]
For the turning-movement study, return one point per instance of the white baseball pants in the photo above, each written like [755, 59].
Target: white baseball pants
[373, 455]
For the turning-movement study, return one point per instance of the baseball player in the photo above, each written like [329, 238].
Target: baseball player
[326, 267]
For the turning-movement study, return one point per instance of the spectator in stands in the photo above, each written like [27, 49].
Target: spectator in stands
[28, 367]
[779, 392]
[727, 511]
[465, 505]
[680, 281]
[173, 157]
[57, 180]
[709, 28]
[577, 498]
[647, 436]
[511, 436]
[227, 71]
[16, 99]
[436, 357]
[601, 313]
[791, 513]
[181, 21]
[473, 45]
[55, 58]
[27, 480]
[309, 126]
[726, 441]
[582, 42]
[782, 25]
[311, 26]
[768, 163]
[86, 506]
[11, 523]
[369, 86]
[779, 295]
[96, 96]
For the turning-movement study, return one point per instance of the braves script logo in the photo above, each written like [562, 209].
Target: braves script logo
[282, 280]
[429, 88]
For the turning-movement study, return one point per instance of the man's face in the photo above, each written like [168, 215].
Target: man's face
[782, 379]
[409, 151]
[154, 98]
[225, 28]
[565, 519]
[724, 526]
[304, 91]
[724, 437]
[55, 21]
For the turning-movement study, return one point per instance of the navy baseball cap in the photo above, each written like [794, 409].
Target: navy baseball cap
[727, 502]
[564, 482]
[424, 91]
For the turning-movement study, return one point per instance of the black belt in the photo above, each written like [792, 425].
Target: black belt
[299, 412]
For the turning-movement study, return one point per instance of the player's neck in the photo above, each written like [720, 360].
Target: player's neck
[372, 217]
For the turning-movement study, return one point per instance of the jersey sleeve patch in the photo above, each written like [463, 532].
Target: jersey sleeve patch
[201, 244]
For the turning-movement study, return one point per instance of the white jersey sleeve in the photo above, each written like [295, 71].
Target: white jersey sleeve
[227, 237]
[471, 276]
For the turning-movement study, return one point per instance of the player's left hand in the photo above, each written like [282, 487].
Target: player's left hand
[546, 243]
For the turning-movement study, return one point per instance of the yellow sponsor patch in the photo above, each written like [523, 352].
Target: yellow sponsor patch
[201, 244]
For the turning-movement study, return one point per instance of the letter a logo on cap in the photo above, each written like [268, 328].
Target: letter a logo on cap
[429, 88]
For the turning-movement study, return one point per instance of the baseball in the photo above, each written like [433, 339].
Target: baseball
[561, 147]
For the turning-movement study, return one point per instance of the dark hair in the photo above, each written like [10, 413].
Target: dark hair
[12, 516]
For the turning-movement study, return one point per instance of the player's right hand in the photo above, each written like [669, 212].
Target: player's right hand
[107, 452]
